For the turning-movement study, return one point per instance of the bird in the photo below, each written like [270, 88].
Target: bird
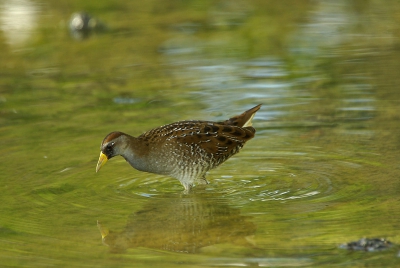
[184, 150]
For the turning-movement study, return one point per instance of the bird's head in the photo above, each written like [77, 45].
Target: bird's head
[113, 144]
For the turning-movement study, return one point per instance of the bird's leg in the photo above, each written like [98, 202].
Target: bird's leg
[202, 180]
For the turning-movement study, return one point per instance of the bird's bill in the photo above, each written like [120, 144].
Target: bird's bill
[102, 161]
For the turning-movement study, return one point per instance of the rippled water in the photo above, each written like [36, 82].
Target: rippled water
[322, 170]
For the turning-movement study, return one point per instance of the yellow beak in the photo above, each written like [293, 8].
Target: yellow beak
[102, 161]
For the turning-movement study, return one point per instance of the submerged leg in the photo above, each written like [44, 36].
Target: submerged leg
[188, 186]
[202, 180]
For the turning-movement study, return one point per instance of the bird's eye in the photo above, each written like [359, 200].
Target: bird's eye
[110, 145]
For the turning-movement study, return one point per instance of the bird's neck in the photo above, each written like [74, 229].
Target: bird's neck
[136, 153]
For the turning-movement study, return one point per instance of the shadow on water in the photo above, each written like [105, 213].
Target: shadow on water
[202, 222]
[182, 223]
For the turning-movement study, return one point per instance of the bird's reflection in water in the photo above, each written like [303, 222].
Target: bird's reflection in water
[184, 223]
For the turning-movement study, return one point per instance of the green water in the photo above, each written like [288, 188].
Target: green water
[322, 170]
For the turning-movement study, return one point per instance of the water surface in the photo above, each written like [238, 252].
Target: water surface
[322, 170]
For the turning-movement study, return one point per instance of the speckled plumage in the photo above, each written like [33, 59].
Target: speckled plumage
[185, 150]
